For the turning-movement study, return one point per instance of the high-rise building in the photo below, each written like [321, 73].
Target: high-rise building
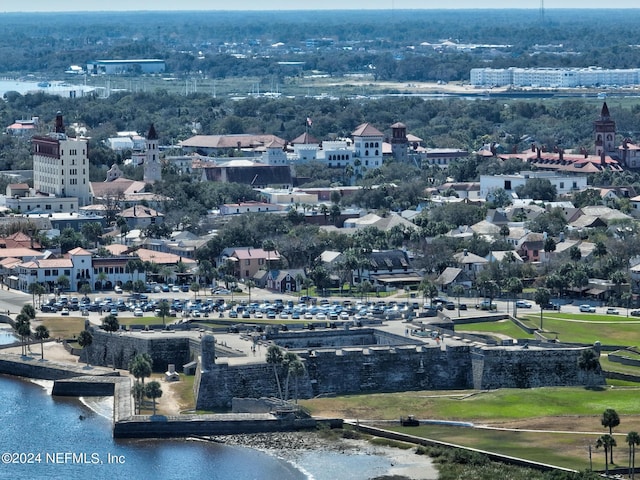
[61, 165]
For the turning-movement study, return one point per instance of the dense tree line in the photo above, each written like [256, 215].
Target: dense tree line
[453, 123]
[393, 44]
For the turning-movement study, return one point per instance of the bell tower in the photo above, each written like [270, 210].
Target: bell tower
[152, 167]
[399, 142]
[605, 129]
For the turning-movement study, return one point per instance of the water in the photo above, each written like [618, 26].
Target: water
[6, 334]
[48, 430]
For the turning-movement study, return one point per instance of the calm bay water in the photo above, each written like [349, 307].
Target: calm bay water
[33, 422]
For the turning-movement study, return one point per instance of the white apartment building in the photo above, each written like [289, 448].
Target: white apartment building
[554, 77]
[564, 183]
[61, 165]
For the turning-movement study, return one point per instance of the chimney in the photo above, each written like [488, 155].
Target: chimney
[602, 161]
[538, 153]
[533, 147]
[561, 153]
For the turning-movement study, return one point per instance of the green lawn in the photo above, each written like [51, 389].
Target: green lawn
[503, 327]
[64, 327]
[495, 405]
[589, 328]
[562, 449]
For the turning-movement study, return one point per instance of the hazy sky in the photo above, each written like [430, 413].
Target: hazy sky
[115, 5]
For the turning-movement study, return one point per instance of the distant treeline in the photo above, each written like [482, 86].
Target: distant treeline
[392, 44]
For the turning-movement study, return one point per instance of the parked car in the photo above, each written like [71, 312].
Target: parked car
[551, 306]
[587, 308]
[462, 306]
[612, 311]
[117, 290]
[635, 313]
[487, 305]
[450, 306]
[65, 312]
[523, 304]
[137, 312]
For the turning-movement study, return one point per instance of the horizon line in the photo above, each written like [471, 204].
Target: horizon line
[133, 10]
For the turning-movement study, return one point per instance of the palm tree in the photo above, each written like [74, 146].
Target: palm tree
[140, 366]
[28, 310]
[163, 310]
[607, 442]
[296, 370]
[85, 339]
[610, 419]
[110, 323]
[428, 289]
[102, 277]
[23, 328]
[542, 297]
[41, 333]
[324, 210]
[137, 390]
[153, 391]
[514, 286]
[588, 361]
[35, 289]
[250, 284]
[633, 439]
[365, 288]
[458, 291]
[307, 283]
[275, 357]
[575, 254]
[618, 278]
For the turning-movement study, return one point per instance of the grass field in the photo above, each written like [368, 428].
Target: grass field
[549, 425]
[472, 406]
[502, 327]
[64, 327]
[576, 328]
[589, 328]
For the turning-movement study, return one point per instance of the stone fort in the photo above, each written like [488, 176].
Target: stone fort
[350, 361]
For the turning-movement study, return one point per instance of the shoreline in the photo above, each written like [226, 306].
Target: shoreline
[308, 449]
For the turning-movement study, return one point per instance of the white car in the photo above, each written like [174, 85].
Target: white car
[612, 311]
[523, 304]
[587, 308]
[117, 290]
[137, 312]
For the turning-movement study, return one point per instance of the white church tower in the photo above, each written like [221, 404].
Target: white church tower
[152, 167]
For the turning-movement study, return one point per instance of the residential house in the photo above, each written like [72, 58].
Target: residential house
[246, 261]
[470, 263]
[388, 270]
[531, 246]
[285, 281]
[504, 255]
[141, 217]
[452, 276]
